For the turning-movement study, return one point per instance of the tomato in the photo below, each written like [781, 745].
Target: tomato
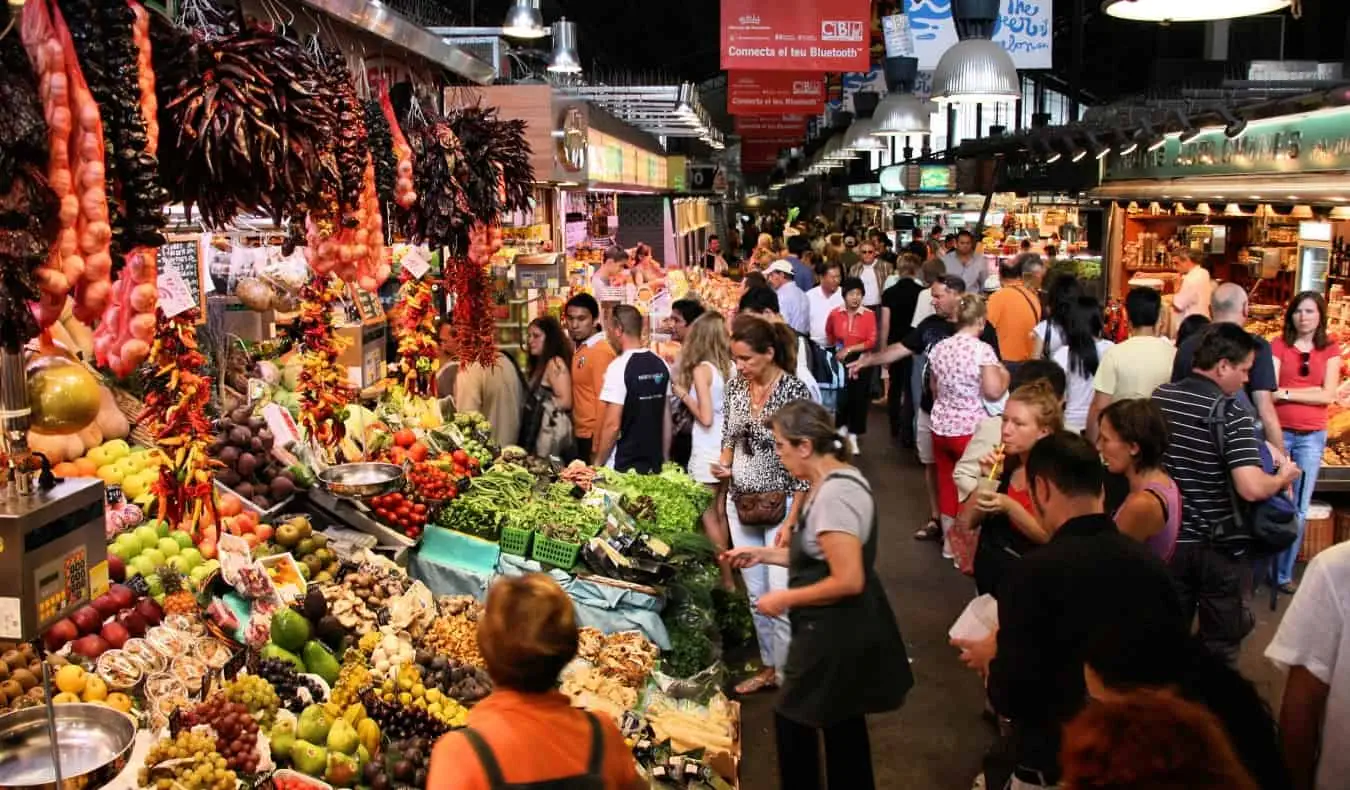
[460, 457]
[419, 508]
[404, 438]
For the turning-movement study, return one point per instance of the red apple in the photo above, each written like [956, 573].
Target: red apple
[123, 595]
[90, 646]
[133, 622]
[151, 611]
[87, 619]
[117, 570]
[61, 632]
[115, 633]
[106, 605]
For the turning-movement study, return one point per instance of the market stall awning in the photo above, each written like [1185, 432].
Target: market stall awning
[1312, 188]
[661, 110]
[373, 17]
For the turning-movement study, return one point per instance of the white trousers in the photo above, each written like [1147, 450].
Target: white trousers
[774, 632]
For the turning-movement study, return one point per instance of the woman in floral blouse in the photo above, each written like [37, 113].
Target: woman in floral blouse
[763, 351]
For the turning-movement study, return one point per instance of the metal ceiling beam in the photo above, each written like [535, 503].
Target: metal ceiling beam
[372, 17]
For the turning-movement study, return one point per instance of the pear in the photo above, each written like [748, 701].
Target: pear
[309, 759]
[342, 738]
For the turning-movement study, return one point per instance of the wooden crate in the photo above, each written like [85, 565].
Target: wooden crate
[1342, 525]
[1319, 531]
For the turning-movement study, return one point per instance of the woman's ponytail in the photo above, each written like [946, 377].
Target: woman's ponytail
[784, 346]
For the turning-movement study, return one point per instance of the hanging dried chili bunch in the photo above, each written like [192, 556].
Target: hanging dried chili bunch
[246, 118]
[414, 326]
[440, 217]
[323, 389]
[381, 141]
[495, 169]
[29, 220]
[176, 396]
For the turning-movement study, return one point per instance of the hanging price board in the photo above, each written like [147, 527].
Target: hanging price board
[181, 256]
[174, 295]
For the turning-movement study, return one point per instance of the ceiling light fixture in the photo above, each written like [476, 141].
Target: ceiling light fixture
[1076, 151]
[1234, 125]
[1095, 146]
[902, 113]
[1189, 131]
[565, 59]
[1150, 139]
[975, 69]
[523, 20]
[1125, 144]
[1190, 10]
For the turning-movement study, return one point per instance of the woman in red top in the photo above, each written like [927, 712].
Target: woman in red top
[1308, 372]
[851, 330]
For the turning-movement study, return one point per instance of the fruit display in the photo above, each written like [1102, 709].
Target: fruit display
[294, 690]
[189, 759]
[243, 445]
[404, 512]
[116, 463]
[405, 764]
[235, 728]
[462, 682]
[406, 687]
[455, 637]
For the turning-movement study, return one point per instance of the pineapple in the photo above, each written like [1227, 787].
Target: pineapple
[177, 599]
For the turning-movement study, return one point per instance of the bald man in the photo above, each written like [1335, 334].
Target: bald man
[1229, 305]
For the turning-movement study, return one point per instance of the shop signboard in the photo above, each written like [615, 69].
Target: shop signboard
[182, 256]
[675, 172]
[899, 179]
[755, 127]
[935, 178]
[1023, 29]
[795, 35]
[774, 92]
[864, 191]
[1306, 143]
[892, 179]
[759, 156]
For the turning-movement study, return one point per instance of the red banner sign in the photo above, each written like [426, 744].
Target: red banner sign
[775, 93]
[796, 35]
[792, 127]
[760, 155]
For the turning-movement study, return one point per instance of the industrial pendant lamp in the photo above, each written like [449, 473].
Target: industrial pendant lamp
[859, 137]
[565, 59]
[523, 20]
[901, 112]
[1190, 10]
[975, 69]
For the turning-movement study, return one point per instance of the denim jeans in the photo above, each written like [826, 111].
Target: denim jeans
[1306, 450]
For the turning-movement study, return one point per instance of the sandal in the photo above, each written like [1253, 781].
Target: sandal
[767, 679]
[930, 531]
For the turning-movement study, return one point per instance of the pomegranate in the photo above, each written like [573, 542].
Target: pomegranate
[133, 621]
[151, 611]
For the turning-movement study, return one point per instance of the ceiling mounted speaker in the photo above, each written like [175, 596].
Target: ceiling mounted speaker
[1190, 10]
[565, 59]
[523, 20]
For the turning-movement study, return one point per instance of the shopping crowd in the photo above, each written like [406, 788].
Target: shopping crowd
[1116, 500]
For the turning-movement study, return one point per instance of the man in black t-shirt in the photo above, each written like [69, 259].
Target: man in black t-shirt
[897, 316]
[635, 429]
[1229, 306]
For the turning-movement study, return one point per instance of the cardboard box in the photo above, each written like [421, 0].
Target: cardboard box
[247, 324]
[364, 356]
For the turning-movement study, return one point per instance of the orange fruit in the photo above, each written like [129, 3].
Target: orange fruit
[230, 505]
[86, 467]
[66, 469]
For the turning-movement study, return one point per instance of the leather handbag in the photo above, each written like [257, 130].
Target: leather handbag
[764, 509]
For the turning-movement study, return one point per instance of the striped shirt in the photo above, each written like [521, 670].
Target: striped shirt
[1192, 458]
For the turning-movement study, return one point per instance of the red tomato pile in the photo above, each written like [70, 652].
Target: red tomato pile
[400, 512]
[432, 483]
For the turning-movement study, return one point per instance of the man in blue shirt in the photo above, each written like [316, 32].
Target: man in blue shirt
[801, 272]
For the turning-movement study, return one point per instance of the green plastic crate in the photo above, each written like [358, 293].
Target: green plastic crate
[555, 552]
[516, 541]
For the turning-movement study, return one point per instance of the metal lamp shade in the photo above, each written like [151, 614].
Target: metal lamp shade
[523, 20]
[1189, 10]
[900, 114]
[860, 139]
[565, 59]
[835, 150]
[975, 70]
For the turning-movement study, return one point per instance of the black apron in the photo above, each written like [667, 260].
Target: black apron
[593, 779]
[846, 659]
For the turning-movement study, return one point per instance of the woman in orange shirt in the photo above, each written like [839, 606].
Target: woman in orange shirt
[526, 734]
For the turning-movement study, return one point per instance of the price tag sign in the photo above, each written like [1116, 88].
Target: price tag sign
[416, 263]
[257, 389]
[113, 496]
[174, 295]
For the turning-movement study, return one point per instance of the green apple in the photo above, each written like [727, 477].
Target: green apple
[162, 528]
[130, 545]
[146, 536]
[198, 574]
[119, 550]
[143, 565]
[155, 556]
[179, 563]
[184, 539]
[168, 547]
[156, 585]
[192, 555]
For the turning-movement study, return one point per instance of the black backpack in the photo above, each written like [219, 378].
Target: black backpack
[826, 370]
[1260, 528]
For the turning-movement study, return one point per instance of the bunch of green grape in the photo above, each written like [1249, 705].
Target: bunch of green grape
[256, 694]
[203, 767]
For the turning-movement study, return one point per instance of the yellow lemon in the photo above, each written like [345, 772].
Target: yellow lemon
[64, 697]
[71, 679]
[117, 449]
[95, 690]
[99, 457]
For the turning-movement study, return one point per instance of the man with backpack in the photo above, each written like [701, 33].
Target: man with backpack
[1217, 462]
[816, 367]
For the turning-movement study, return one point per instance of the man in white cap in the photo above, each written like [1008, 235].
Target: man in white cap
[792, 304]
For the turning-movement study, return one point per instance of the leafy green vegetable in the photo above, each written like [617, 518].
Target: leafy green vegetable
[677, 499]
[472, 516]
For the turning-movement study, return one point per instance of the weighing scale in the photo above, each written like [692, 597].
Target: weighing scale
[53, 558]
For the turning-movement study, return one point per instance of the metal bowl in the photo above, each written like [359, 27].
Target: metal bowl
[362, 480]
[95, 743]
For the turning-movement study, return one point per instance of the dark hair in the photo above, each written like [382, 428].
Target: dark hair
[754, 280]
[808, 421]
[585, 302]
[824, 267]
[1320, 340]
[760, 299]
[1060, 298]
[851, 284]
[1139, 421]
[966, 233]
[950, 237]
[1142, 306]
[1010, 270]
[1081, 334]
[1045, 370]
[555, 345]
[1051, 250]
[1190, 325]
[714, 237]
[1068, 462]
[628, 319]
[1025, 245]
[1155, 655]
[764, 335]
[953, 283]
[798, 244]
[616, 253]
[1223, 342]
[918, 249]
[936, 231]
[689, 309]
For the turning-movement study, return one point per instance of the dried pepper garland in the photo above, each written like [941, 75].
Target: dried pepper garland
[323, 383]
[175, 409]
[415, 330]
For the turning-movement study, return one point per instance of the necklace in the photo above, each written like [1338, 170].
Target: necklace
[758, 400]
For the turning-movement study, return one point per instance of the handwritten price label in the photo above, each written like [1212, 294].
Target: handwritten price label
[174, 295]
[416, 262]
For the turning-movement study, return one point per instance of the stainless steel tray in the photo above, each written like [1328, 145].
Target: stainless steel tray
[361, 480]
[95, 743]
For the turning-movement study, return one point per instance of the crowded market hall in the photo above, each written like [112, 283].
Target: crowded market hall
[486, 394]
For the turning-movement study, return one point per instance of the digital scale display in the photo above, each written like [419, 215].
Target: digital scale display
[61, 582]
